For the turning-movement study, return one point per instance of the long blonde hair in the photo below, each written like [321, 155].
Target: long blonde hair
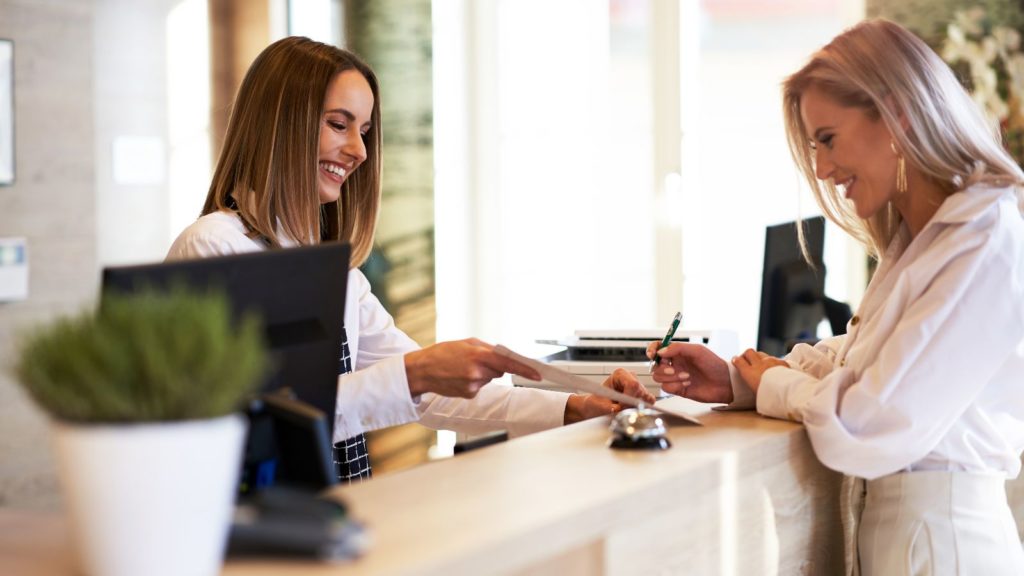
[269, 159]
[890, 73]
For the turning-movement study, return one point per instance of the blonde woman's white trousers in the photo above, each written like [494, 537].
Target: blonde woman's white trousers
[924, 523]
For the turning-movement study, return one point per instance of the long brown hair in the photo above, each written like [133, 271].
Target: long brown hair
[885, 70]
[269, 159]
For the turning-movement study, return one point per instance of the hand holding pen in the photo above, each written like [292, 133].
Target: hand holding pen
[690, 370]
[667, 339]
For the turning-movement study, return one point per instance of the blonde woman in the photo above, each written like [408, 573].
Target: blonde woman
[924, 396]
[301, 164]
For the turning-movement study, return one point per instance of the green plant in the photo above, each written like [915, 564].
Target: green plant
[144, 357]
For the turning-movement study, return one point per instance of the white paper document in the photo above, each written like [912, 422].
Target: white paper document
[581, 384]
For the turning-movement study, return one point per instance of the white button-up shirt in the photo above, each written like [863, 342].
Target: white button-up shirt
[930, 376]
[376, 394]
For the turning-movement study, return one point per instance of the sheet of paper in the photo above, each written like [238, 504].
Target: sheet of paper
[581, 384]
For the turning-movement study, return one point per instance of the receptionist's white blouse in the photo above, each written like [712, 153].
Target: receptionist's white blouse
[376, 394]
[930, 375]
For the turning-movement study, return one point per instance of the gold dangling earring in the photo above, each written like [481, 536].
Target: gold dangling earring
[901, 170]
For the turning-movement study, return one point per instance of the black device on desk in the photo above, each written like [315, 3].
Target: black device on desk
[793, 300]
[299, 294]
[289, 443]
[284, 522]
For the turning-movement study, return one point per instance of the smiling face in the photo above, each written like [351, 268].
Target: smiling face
[852, 149]
[348, 106]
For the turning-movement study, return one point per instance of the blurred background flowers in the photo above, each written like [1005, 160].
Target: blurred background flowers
[981, 41]
[987, 57]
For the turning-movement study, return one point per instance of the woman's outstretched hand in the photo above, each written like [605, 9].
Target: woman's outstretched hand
[459, 368]
[692, 371]
[583, 406]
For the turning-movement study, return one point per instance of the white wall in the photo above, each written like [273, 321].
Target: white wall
[131, 110]
[52, 204]
[553, 210]
[741, 175]
[544, 192]
[87, 72]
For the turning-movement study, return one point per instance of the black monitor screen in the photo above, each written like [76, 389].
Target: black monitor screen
[792, 291]
[298, 293]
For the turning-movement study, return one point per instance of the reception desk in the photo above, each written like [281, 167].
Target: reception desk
[743, 494]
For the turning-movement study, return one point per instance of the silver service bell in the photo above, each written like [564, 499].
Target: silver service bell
[638, 428]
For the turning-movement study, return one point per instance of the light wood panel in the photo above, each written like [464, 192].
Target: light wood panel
[742, 495]
[239, 31]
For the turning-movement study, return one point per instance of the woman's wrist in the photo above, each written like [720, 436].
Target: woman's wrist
[412, 362]
[573, 409]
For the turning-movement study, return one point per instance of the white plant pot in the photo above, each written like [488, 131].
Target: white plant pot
[150, 499]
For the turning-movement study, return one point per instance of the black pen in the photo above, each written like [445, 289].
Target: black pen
[668, 338]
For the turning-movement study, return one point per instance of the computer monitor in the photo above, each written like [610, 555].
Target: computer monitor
[299, 295]
[792, 291]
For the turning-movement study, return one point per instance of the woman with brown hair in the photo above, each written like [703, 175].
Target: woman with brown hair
[301, 164]
[921, 403]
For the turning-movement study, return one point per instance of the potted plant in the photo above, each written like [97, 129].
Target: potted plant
[143, 395]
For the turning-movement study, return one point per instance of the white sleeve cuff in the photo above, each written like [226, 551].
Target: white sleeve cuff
[742, 396]
[373, 398]
[497, 406]
[784, 392]
[536, 410]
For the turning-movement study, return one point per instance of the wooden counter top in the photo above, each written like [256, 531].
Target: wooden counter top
[741, 495]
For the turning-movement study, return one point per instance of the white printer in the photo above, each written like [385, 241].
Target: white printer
[597, 353]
